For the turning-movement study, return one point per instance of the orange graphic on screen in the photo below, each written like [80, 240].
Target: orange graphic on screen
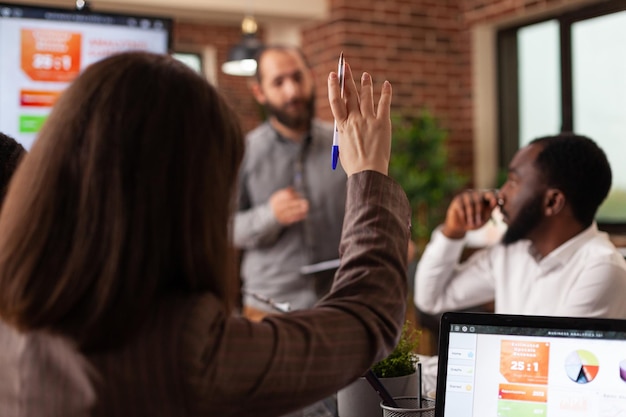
[525, 362]
[50, 55]
[534, 393]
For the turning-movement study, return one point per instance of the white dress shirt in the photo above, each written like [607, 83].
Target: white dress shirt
[584, 277]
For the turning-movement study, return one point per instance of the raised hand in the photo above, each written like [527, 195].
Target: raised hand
[364, 131]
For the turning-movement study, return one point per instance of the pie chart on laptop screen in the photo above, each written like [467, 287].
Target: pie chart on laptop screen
[581, 366]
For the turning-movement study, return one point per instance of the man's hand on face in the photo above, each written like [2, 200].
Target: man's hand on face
[469, 210]
[288, 206]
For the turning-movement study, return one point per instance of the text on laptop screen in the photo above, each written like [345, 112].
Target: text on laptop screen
[514, 372]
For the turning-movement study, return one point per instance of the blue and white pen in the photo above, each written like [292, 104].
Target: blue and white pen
[335, 151]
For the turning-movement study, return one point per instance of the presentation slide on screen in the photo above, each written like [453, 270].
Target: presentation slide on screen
[41, 57]
[520, 376]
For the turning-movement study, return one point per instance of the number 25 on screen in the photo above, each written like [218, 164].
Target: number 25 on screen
[523, 366]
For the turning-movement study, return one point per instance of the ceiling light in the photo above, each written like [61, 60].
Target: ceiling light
[241, 57]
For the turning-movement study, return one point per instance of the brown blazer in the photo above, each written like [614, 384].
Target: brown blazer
[191, 359]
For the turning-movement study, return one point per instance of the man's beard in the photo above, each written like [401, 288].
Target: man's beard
[301, 121]
[528, 218]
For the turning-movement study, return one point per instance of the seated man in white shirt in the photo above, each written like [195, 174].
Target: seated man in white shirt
[552, 260]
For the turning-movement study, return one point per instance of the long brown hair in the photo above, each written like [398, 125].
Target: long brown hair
[124, 199]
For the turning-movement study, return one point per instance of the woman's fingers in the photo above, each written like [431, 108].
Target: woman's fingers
[367, 95]
[384, 103]
[364, 132]
[337, 105]
[341, 107]
[350, 93]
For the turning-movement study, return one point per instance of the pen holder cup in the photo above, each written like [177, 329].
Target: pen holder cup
[408, 407]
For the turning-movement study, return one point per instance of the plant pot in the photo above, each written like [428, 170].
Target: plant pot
[359, 399]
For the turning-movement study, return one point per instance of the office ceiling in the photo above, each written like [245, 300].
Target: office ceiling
[226, 11]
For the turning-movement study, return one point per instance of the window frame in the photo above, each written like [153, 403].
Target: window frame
[507, 79]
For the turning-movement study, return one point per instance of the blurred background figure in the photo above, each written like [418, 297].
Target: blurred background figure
[291, 203]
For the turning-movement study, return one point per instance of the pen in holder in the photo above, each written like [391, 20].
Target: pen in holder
[410, 406]
[380, 389]
[419, 382]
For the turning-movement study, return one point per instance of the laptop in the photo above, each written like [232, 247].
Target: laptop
[523, 366]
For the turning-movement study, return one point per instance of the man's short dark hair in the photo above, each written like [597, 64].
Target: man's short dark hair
[11, 152]
[578, 167]
[277, 47]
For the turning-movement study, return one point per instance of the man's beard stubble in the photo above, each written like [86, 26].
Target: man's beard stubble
[301, 121]
[528, 218]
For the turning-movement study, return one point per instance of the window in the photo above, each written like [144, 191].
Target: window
[539, 85]
[568, 73]
[193, 60]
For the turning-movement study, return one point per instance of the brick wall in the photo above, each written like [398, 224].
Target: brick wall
[420, 46]
[476, 11]
[221, 37]
[423, 47]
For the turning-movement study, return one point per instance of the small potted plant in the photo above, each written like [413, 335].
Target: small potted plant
[397, 372]
[401, 361]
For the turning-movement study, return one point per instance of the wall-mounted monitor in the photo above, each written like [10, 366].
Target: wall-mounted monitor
[42, 49]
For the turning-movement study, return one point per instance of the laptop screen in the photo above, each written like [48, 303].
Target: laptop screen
[514, 366]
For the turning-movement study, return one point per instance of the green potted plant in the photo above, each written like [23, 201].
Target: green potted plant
[397, 372]
[419, 163]
[402, 360]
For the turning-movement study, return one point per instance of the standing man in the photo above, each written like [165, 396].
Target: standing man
[290, 201]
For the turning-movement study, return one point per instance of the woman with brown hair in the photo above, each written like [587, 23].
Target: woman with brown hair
[116, 271]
